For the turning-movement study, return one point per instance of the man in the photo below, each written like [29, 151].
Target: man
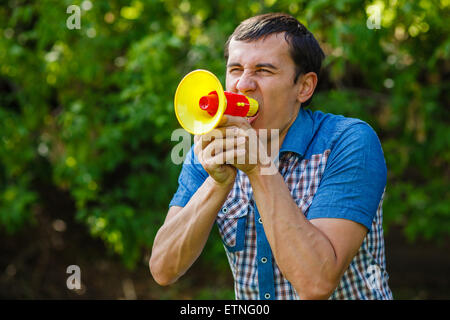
[311, 230]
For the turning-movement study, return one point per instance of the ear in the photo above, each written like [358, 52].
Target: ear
[307, 85]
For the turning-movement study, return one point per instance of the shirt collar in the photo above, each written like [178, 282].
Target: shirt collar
[299, 134]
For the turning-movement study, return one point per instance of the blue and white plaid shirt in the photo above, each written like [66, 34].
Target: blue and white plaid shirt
[334, 167]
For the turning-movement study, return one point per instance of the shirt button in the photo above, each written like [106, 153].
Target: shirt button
[260, 220]
[267, 295]
[224, 210]
[263, 259]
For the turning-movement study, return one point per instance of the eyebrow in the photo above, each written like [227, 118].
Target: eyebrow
[259, 65]
[266, 65]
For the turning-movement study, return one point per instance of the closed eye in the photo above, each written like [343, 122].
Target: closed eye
[264, 71]
[234, 70]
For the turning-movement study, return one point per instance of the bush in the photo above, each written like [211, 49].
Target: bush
[91, 110]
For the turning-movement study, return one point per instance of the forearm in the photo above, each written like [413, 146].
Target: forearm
[183, 236]
[303, 253]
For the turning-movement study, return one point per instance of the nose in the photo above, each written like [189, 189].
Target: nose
[246, 84]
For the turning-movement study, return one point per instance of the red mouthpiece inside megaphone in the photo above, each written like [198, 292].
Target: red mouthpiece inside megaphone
[210, 103]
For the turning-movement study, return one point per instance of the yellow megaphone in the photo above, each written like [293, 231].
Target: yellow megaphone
[200, 102]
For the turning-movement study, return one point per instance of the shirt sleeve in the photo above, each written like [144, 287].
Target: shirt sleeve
[191, 177]
[354, 178]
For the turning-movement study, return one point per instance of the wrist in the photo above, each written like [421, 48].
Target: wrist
[220, 186]
[262, 170]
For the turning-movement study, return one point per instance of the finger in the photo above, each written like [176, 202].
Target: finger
[233, 131]
[197, 145]
[226, 157]
[200, 143]
[197, 138]
[214, 134]
[221, 145]
[228, 121]
[223, 120]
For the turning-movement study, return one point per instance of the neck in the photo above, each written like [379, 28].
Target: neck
[284, 131]
[273, 142]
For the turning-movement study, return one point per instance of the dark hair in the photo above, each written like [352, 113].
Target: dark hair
[304, 48]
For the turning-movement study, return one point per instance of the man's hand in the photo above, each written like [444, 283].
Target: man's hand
[232, 145]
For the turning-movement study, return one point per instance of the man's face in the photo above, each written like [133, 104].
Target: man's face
[264, 70]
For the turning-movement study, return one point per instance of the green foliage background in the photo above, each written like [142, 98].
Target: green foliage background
[90, 111]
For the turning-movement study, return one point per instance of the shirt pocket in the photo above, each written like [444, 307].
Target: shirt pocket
[231, 221]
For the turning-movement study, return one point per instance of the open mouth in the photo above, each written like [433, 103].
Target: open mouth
[253, 118]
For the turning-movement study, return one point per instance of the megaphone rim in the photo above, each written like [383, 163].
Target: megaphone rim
[220, 93]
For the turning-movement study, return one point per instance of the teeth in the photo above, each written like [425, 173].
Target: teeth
[254, 115]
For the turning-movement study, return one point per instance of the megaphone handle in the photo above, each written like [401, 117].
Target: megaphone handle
[237, 104]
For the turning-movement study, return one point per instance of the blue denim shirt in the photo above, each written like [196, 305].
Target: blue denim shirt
[334, 167]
